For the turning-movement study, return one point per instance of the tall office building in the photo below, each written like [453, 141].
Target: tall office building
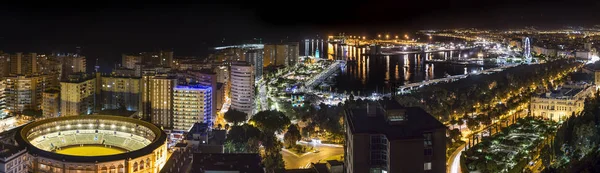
[192, 104]
[25, 92]
[280, 54]
[118, 92]
[23, 64]
[390, 138]
[77, 95]
[51, 103]
[242, 87]
[255, 57]
[161, 100]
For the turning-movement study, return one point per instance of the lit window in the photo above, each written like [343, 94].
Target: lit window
[427, 166]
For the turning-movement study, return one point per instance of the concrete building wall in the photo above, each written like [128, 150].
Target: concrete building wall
[399, 152]
[358, 153]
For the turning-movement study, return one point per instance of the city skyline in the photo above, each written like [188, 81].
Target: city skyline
[299, 86]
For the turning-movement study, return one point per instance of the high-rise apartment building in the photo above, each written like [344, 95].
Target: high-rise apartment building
[207, 78]
[159, 59]
[280, 54]
[71, 64]
[129, 61]
[387, 137]
[23, 64]
[25, 92]
[192, 104]
[255, 57]
[77, 95]
[3, 109]
[118, 92]
[51, 103]
[242, 87]
[161, 100]
[293, 54]
[4, 64]
[222, 74]
[49, 65]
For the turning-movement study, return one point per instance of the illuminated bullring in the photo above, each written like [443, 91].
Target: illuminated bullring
[94, 143]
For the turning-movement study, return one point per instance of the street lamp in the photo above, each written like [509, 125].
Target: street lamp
[396, 37]
[379, 35]
[387, 36]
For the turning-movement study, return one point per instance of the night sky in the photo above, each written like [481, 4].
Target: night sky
[105, 30]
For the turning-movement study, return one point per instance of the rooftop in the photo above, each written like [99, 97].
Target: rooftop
[193, 87]
[565, 92]
[393, 120]
[78, 78]
[7, 150]
[243, 163]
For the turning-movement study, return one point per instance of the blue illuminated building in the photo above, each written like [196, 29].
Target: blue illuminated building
[192, 104]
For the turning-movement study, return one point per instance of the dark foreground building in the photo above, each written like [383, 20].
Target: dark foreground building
[386, 137]
[215, 162]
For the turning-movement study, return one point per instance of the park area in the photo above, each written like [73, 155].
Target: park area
[511, 149]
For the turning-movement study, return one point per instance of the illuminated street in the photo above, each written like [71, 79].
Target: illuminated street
[293, 161]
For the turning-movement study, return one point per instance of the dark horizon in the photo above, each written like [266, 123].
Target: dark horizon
[105, 31]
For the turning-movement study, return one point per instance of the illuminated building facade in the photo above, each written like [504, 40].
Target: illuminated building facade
[23, 64]
[77, 95]
[160, 58]
[118, 92]
[25, 92]
[242, 87]
[255, 57]
[280, 54]
[71, 64]
[51, 103]
[207, 78]
[192, 104]
[562, 103]
[3, 110]
[161, 100]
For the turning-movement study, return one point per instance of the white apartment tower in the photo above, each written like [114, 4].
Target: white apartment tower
[242, 87]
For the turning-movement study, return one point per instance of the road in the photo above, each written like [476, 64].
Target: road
[294, 161]
[454, 167]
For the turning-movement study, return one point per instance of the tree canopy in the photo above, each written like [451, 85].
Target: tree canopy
[271, 121]
[236, 117]
[292, 136]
